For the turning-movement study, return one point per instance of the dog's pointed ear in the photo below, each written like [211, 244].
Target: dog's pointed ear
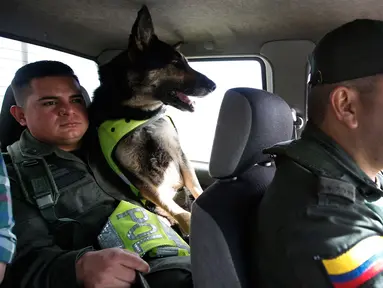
[143, 29]
[178, 45]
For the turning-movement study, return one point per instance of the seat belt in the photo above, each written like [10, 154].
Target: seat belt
[37, 183]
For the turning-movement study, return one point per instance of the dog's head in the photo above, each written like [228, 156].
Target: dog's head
[155, 71]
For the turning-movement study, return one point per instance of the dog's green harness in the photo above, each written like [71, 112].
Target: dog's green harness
[111, 132]
[130, 226]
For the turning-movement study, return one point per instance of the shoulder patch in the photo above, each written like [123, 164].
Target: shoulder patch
[356, 266]
[336, 187]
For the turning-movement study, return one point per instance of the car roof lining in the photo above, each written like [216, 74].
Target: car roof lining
[209, 27]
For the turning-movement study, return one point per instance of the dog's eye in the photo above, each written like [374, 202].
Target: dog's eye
[177, 62]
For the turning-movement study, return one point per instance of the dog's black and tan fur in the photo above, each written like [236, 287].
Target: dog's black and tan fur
[136, 85]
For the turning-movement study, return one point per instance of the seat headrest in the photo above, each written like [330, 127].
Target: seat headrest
[10, 129]
[249, 121]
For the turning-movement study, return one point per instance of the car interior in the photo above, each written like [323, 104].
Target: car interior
[257, 53]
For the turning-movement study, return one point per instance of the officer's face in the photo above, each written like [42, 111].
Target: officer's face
[360, 111]
[55, 112]
[371, 119]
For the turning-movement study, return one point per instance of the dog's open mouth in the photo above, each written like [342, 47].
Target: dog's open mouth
[184, 101]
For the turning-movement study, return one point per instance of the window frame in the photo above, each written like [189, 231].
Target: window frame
[47, 45]
[262, 61]
[55, 49]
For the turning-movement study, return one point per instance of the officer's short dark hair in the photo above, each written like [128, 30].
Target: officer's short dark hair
[319, 96]
[21, 83]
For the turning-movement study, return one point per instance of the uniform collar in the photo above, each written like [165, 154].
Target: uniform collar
[369, 188]
[313, 134]
[320, 154]
[30, 146]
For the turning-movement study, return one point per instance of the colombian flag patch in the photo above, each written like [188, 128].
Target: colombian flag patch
[357, 265]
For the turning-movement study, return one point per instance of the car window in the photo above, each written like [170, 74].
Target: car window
[196, 130]
[14, 54]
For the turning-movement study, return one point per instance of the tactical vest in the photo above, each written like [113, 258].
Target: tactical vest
[37, 183]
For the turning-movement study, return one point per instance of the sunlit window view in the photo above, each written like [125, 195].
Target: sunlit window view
[14, 54]
[197, 129]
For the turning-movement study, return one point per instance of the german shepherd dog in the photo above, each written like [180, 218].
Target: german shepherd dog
[137, 84]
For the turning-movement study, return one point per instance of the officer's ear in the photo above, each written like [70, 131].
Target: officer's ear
[18, 113]
[344, 102]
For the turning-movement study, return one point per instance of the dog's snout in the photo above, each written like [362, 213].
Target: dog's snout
[207, 83]
[211, 85]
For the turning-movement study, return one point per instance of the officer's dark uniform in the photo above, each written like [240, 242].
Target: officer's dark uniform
[89, 193]
[320, 223]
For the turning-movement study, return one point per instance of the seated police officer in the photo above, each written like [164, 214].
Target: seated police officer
[68, 203]
[320, 223]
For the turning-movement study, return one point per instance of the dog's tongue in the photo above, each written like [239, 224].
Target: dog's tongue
[185, 99]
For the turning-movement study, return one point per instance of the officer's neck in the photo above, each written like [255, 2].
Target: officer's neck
[356, 147]
[363, 163]
[70, 147]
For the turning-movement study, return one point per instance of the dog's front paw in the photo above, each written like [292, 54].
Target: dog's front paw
[183, 220]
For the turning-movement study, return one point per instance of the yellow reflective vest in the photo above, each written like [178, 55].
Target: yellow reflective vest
[110, 134]
[130, 226]
[138, 230]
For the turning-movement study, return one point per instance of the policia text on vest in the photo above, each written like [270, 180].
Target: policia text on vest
[140, 231]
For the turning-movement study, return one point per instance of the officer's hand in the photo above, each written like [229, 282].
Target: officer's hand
[113, 267]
